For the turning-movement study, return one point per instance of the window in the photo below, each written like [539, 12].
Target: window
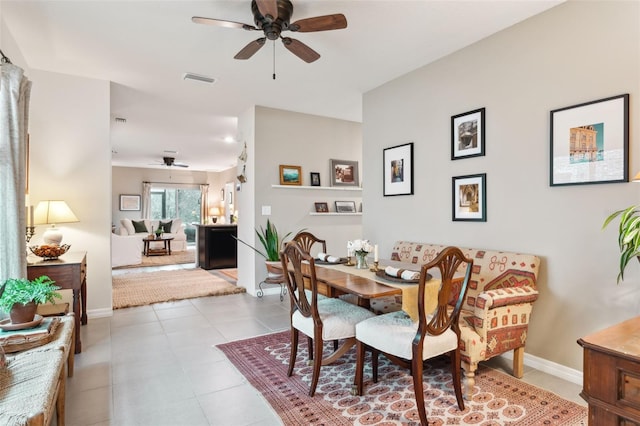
[182, 203]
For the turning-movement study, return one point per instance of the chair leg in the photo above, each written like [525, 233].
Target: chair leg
[518, 362]
[374, 364]
[469, 374]
[416, 372]
[310, 348]
[294, 350]
[335, 345]
[358, 380]
[317, 348]
[457, 380]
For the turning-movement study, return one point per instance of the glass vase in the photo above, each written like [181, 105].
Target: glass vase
[361, 260]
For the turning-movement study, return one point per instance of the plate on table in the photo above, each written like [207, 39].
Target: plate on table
[340, 261]
[382, 274]
[6, 324]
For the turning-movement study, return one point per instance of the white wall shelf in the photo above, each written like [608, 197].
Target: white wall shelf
[331, 188]
[335, 214]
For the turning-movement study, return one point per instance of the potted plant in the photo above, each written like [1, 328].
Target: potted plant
[628, 235]
[20, 297]
[271, 242]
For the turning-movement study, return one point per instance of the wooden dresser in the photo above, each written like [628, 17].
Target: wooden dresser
[612, 374]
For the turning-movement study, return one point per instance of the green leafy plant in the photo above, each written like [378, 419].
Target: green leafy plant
[628, 235]
[271, 242]
[21, 290]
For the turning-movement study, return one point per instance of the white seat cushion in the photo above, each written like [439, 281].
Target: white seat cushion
[338, 319]
[393, 333]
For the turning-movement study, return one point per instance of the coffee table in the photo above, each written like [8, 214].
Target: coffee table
[157, 251]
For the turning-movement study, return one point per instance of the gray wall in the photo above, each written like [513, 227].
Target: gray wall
[574, 53]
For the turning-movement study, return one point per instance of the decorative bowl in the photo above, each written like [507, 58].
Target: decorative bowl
[48, 251]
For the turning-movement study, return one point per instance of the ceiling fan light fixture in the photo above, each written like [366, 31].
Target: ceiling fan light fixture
[198, 77]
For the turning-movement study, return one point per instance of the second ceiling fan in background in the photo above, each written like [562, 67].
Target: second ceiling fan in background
[272, 17]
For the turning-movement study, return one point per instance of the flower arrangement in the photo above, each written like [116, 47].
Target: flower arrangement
[359, 247]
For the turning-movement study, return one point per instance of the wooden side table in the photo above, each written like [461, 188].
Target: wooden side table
[612, 374]
[69, 271]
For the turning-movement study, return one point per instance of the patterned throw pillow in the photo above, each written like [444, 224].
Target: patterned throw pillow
[139, 226]
[166, 226]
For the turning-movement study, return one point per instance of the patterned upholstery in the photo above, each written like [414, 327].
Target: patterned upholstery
[495, 314]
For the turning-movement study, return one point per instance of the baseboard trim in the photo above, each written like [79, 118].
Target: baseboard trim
[100, 313]
[549, 367]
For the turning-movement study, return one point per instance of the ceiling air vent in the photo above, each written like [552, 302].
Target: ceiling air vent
[197, 77]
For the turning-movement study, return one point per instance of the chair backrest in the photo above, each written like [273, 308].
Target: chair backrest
[449, 261]
[294, 262]
[306, 240]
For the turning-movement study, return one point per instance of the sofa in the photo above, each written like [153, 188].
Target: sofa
[495, 314]
[142, 228]
[126, 250]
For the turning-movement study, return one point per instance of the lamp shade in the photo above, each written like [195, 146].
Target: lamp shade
[214, 211]
[50, 212]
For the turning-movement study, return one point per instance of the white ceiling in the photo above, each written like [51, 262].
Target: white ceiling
[145, 47]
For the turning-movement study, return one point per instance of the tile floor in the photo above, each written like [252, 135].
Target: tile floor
[157, 365]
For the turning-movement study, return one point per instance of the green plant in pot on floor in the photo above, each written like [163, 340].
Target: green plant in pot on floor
[272, 243]
[20, 297]
[628, 236]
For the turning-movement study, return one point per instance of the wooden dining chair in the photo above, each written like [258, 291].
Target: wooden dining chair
[324, 319]
[409, 343]
[307, 240]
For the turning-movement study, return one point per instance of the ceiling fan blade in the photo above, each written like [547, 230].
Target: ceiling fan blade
[268, 7]
[180, 165]
[320, 23]
[222, 23]
[250, 49]
[300, 49]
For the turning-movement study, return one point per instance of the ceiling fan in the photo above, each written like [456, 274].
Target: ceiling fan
[171, 161]
[272, 17]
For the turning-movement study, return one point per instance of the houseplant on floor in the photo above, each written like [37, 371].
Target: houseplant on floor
[271, 243]
[628, 235]
[20, 297]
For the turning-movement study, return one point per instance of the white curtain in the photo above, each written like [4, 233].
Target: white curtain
[15, 90]
[146, 200]
[204, 203]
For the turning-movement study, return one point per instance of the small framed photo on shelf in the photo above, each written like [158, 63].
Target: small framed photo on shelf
[398, 170]
[290, 175]
[590, 142]
[322, 208]
[470, 198]
[467, 134]
[344, 173]
[345, 206]
[315, 179]
[129, 202]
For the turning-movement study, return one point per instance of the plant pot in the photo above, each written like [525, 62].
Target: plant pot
[274, 268]
[21, 314]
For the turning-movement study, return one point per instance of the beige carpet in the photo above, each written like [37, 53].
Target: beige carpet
[176, 257]
[137, 289]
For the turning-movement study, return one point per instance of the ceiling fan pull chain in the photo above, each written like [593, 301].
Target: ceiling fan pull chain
[274, 59]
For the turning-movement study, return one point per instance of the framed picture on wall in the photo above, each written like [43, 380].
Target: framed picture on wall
[467, 134]
[469, 198]
[345, 206]
[322, 207]
[129, 202]
[590, 142]
[290, 175]
[344, 173]
[315, 179]
[398, 170]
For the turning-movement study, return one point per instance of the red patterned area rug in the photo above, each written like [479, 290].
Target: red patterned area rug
[498, 399]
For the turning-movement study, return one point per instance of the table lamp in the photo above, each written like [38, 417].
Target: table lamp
[214, 212]
[50, 212]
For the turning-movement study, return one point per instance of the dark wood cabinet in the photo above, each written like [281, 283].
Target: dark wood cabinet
[612, 374]
[217, 247]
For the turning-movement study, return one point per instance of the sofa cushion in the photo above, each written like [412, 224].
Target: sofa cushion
[166, 226]
[128, 226]
[139, 226]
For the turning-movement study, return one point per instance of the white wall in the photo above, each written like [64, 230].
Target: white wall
[574, 53]
[289, 138]
[70, 160]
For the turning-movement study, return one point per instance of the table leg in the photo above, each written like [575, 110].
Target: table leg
[168, 244]
[76, 311]
[83, 299]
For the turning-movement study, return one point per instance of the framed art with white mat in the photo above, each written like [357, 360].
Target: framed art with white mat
[398, 170]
